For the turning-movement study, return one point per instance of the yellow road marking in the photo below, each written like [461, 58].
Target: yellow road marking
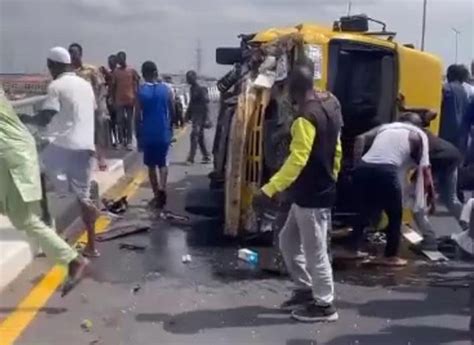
[15, 323]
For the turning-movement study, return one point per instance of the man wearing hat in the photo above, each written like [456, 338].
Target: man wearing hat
[20, 194]
[68, 111]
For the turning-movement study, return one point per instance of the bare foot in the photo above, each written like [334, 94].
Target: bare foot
[76, 271]
[393, 261]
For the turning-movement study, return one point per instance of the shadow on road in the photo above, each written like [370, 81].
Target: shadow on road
[397, 335]
[195, 321]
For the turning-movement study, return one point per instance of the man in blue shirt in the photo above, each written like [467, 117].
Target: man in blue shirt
[154, 110]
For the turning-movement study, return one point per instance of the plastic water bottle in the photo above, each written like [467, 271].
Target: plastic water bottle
[248, 255]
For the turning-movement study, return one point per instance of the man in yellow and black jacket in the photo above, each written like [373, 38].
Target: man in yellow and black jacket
[310, 174]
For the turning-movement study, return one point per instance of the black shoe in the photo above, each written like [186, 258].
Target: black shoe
[298, 299]
[428, 244]
[312, 312]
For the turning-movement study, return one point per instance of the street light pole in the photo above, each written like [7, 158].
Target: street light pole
[456, 39]
[423, 28]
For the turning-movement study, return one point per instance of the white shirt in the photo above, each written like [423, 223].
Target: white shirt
[392, 146]
[73, 126]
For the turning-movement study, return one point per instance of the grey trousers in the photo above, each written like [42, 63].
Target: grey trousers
[198, 138]
[303, 244]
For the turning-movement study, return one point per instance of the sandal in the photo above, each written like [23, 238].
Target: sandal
[89, 254]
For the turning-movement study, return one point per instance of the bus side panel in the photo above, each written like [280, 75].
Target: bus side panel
[421, 81]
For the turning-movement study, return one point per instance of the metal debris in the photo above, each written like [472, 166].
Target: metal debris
[186, 259]
[136, 288]
[130, 246]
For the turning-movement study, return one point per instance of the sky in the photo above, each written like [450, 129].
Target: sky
[168, 31]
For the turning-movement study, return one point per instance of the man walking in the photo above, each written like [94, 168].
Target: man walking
[124, 90]
[154, 110]
[198, 114]
[21, 193]
[93, 76]
[311, 170]
[69, 113]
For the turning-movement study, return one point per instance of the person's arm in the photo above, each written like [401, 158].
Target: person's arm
[51, 107]
[362, 141]
[419, 154]
[337, 158]
[303, 135]
[465, 129]
[171, 106]
[136, 80]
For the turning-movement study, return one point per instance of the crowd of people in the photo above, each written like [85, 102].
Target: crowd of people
[395, 167]
[86, 110]
[90, 108]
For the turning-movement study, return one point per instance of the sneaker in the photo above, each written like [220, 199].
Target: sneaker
[189, 162]
[206, 160]
[298, 299]
[313, 312]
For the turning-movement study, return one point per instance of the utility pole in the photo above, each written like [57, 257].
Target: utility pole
[349, 8]
[198, 57]
[423, 28]
[456, 40]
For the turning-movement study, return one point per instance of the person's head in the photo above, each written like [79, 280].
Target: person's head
[167, 79]
[301, 79]
[59, 61]
[191, 78]
[112, 62]
[75, 50]
[122, 59]
[463, 74]
[149, 71]
[453, 73]
[411, 118]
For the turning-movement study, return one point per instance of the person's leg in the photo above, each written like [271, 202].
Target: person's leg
[448, 181]
[292, 252]
[100, 140]
[423, 223]
[153, 180]
[393, 207]
[121, 130]
[129, 126]
[203, 145]
[193, 143]
[313, 226]
[79, 177]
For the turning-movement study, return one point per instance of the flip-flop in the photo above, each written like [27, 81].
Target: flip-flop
[72, 282]
[94, 254]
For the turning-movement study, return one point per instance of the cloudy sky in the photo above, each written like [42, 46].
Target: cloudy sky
[167, 31]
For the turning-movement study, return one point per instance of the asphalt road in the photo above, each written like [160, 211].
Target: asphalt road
[152, 297]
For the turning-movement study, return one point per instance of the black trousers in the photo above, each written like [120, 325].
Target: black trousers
[379, 189]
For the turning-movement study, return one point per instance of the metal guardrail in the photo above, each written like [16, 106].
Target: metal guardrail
[28, 105]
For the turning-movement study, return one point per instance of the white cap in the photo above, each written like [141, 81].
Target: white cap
[59, 54]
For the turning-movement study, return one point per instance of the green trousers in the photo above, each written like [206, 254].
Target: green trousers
[26, 216]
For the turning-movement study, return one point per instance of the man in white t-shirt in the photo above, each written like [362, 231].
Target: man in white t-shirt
[395, 148]
[68, 113]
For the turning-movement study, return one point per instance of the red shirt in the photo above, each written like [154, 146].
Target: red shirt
[125, 80]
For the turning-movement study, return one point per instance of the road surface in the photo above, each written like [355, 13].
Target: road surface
[151, 297]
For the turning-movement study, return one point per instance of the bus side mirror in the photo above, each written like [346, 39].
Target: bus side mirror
[228, 56]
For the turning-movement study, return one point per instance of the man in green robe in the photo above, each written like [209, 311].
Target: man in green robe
[21, 193]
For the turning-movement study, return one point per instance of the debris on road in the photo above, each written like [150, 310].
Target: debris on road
[95, 341]
[130, 246]
[248, 255]
[122, 231]
[185, 259]
[175, 218]
[116, 207]
[136, 288]
[86, 325]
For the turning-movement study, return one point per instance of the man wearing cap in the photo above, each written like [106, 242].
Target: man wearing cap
[68, 111]
[21, 194]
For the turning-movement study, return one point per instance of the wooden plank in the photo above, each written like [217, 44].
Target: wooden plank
[415, 238]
